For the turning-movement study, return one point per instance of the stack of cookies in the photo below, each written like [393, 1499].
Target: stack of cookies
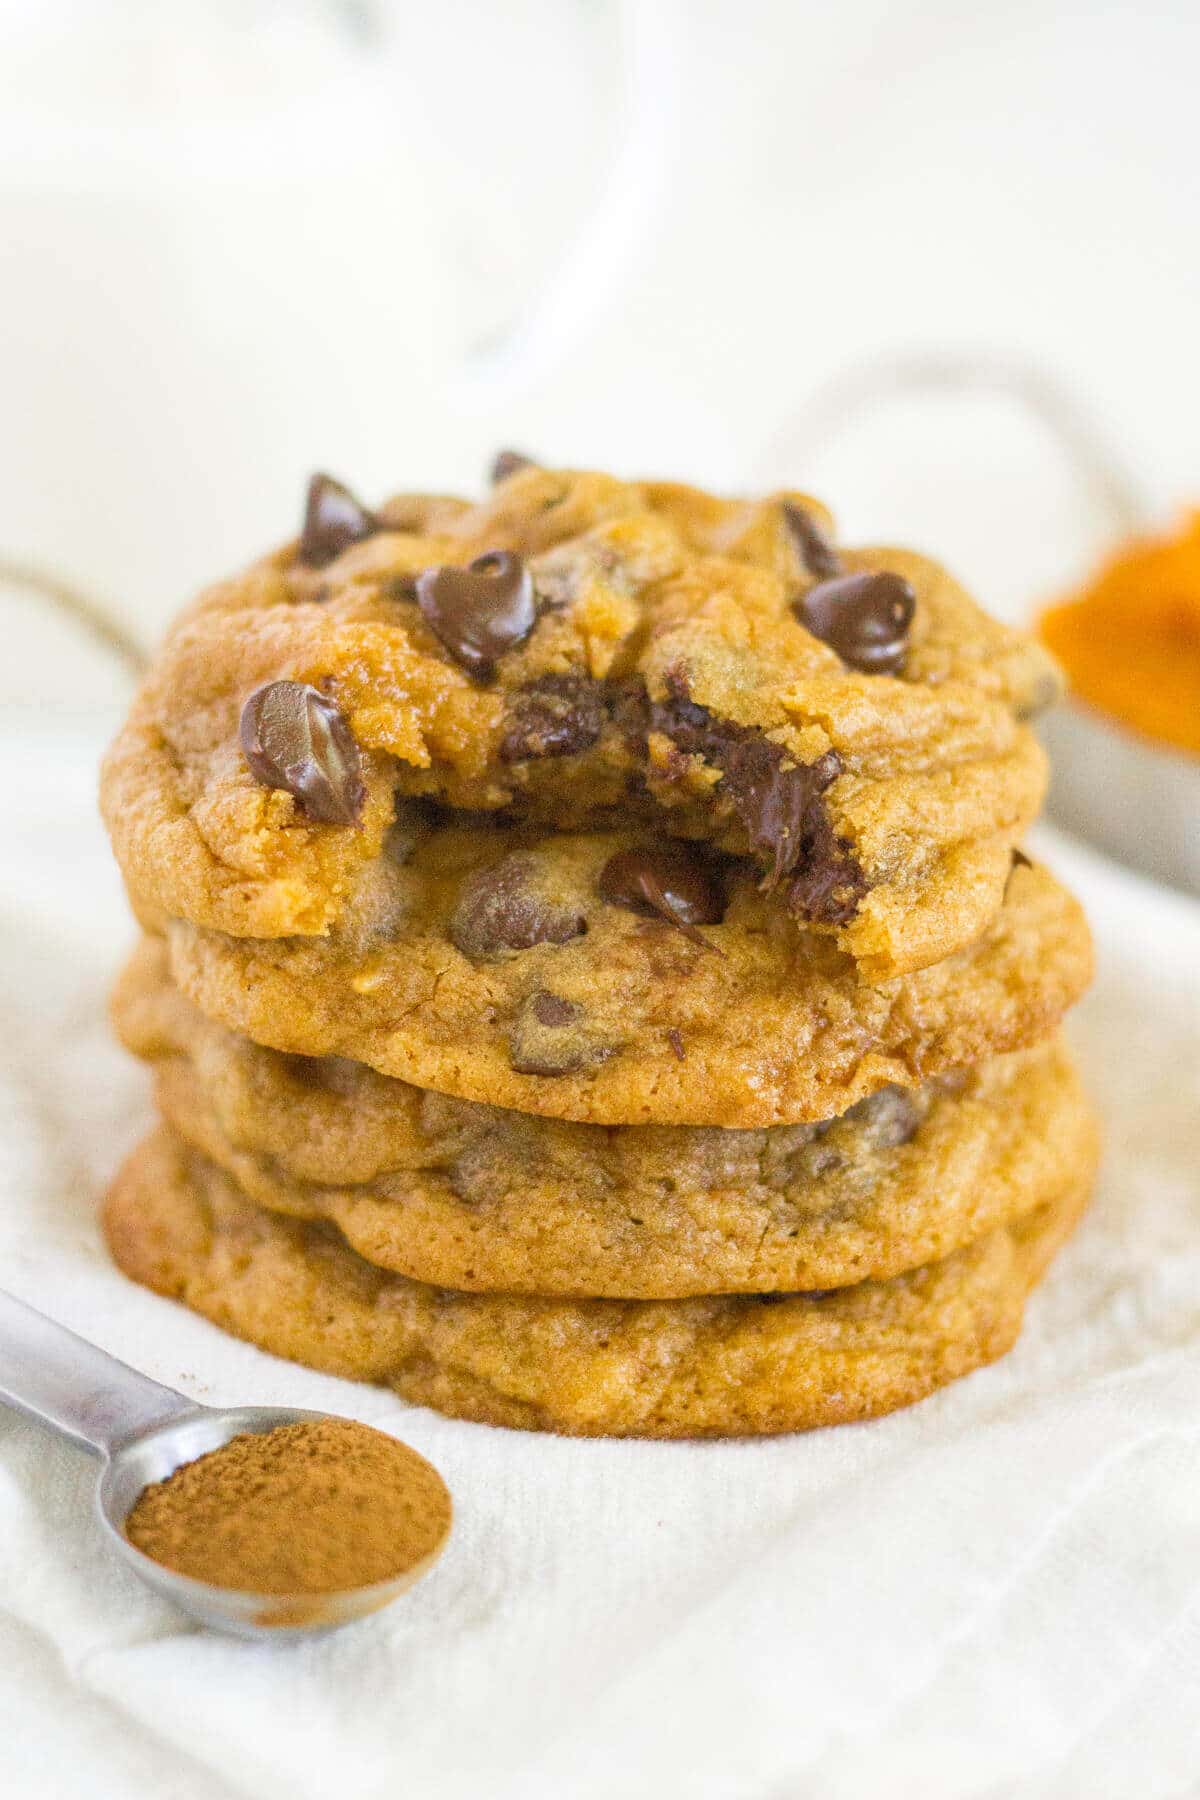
[590, 973]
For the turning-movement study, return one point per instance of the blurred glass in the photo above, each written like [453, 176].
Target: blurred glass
[240, 239]
[993, 464]
[202, 217]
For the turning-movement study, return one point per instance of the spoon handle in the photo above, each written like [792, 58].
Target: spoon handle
[77, 1389]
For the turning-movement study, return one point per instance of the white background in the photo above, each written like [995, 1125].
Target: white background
[239, 240]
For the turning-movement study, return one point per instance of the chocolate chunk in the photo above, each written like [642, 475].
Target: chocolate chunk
[888, 1118]
[552, 1036]
[511, 906]
[558, 715]
[309, 1071]
[294, 737]
[481, 611]
[673, 883]
[864, 617]
[507, 462]
[778, 803]
[818, 1160]
[333, 520]
[814, 549]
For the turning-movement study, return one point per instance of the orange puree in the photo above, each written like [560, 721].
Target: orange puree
[1130, 640]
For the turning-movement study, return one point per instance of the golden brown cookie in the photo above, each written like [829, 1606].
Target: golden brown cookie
[615, 1014]
[672, 1368]
[575, 646]
[481, 1198]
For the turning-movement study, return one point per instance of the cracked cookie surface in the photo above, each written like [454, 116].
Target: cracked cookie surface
[476, 1197]
[616, 1015]
[657, 655]
[722, 1366]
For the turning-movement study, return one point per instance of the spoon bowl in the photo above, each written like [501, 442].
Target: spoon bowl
[141, 1461]
[144, 1431]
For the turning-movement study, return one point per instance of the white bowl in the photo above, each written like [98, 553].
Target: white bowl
[1138, 800]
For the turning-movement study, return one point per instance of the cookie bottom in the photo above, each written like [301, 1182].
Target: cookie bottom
[718, 1367]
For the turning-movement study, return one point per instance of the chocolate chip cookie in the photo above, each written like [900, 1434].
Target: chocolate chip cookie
[575, 649]
[481, 1198]
[604, 978]
[722, 1366]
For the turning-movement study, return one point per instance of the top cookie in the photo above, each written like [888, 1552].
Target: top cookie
[577, 648]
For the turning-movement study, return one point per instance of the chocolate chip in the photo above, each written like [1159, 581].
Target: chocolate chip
[1019, 861]
[293, 737]
[409, 827]
[552, 1036]
[814, 549]
[402, 588]
[507, 462]
[333, 520]
[778, 803]
[511, 906]
[864, 617]
[481, 611]
[558, 715]
[828, 888]
[672, 883]
[546, 1008]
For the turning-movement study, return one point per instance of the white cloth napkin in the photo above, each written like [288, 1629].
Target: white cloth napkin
[996, 1593]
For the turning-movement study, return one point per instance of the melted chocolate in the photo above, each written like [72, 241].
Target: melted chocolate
[864, 617]
[815, 550]
[293, 737]
[333, 520]
[674, 883]
[557, 715]
[506, 907]
[778, 802]
[479, 612]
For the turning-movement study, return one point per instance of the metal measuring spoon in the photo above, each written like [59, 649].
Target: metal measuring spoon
[144, 1432]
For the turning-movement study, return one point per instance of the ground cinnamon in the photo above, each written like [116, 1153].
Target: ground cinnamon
[1130, 640]
[304, 1509]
